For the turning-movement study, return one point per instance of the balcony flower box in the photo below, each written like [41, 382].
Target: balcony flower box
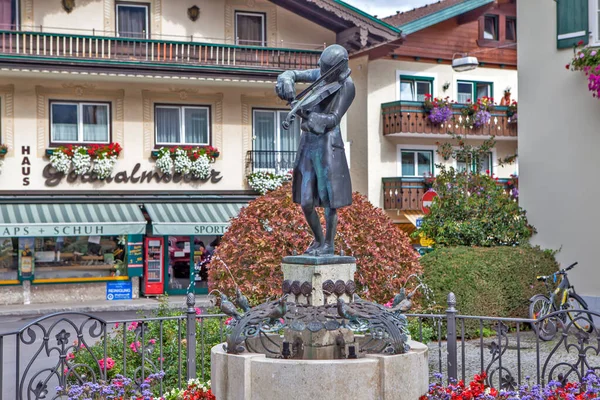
[97, 159]
[187, 160]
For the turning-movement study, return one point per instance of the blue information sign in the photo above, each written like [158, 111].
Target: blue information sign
[120, 290]
[419, 222]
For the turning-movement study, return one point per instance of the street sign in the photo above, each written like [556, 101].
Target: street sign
[427, 200]
[119, 290]
[419, 222]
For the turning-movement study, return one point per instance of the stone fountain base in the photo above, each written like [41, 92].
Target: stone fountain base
[251, 376]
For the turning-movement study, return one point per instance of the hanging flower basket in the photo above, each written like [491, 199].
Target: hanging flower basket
[439, 110]
[97, 159]
[476, 115]
[187, 160]
[587, 60]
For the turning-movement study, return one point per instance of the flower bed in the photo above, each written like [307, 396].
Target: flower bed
[263, 182]
[587, 60]
[589, 388]
[97, 159]
[187, 160]
[439, 110]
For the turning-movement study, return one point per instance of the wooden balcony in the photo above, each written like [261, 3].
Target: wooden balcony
[406, 194]
[409, 117]
[403, 193]
[90, 50]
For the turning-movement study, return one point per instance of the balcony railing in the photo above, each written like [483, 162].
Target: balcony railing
[279, 162]
[410, 117]
[406, 194]
[85, 49]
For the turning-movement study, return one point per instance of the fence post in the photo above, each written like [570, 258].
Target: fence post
[451, 337]
[191, 336]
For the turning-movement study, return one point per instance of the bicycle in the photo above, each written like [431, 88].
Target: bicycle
[542, 305]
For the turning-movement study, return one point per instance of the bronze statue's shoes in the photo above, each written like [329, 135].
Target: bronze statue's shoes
[325, 250]
[313, 249]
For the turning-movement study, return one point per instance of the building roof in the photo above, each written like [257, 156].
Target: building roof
[423, 17]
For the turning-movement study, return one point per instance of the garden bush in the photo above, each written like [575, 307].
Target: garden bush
[492, 281]
[473, 210]
[272, 227]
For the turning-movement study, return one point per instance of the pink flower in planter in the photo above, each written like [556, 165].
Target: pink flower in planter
[134, 346]
[198, 311]
[593, 53]
[109, 363]
[152, 341]
[132, 326]
[70, 356]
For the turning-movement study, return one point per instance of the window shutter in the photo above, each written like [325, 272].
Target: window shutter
[572, 22]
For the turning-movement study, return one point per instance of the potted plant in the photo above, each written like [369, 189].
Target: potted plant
[511, 112]
[478, 114]
[587, 60]
[186, 160]
[506, 98]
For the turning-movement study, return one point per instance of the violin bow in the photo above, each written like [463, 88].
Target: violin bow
[318, 81]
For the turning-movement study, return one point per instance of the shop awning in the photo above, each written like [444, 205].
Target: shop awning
[30, 220]
[192, 218]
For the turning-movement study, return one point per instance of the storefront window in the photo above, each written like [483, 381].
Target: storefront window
[9, 259]
[78, 257]
[179, 262]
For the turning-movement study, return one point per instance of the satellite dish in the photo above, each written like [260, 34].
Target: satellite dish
[464, 63]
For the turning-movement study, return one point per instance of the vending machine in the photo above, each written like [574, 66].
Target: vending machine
[154, 277]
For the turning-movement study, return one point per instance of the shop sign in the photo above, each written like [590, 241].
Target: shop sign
[119, 290]
[61, 230]
[135, 248]
[191, 229]
[54, 178]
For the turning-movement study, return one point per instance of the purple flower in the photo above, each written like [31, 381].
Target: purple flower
[593, 53]
[440, 115]
[481, 118]
[581, 55]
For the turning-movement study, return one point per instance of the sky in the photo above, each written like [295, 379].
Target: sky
[385, 8]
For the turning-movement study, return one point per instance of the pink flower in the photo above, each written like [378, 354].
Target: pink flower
[134, 346]
[117, 325]
[161, 359]
[581, 55]
[109, 363]
[228, 320]
[70, 356]
[132, 326]
[152, 341]
[198, 311]
[389, 304]
[593, 53]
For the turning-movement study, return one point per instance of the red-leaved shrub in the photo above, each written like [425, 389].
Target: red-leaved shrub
[272, 227]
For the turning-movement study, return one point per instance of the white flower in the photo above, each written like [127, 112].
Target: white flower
[164, 163]
[183, 164]
[82, 162]
[264, 182]
[60, 162]
[201, 168]
[103, 167]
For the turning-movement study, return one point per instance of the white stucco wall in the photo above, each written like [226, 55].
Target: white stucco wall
[383, 87]
[558, 147]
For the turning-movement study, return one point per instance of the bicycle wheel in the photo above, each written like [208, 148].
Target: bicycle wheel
[581, 320]
[540, 307]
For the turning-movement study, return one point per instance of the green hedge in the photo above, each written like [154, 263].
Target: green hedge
[490, 281]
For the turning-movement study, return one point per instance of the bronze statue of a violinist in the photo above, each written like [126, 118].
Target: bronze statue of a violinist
[321, 177]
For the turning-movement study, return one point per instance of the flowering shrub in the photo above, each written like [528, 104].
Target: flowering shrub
[196, 390]
[587, 60]
[439, 110]
[479, 113]
[186, 160]
[104, 158]
[272, 227]
[513, 186]
[589, 388]
[117, 388]
[263, 182]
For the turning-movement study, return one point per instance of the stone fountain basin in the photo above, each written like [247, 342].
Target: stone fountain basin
[252, 376]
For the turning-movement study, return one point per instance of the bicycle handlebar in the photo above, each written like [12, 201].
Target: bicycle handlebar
[563, 271]
[570, 267]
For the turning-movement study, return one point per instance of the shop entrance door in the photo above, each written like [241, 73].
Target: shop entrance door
[178, 263]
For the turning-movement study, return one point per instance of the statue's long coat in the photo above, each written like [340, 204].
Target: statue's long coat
[339, 185]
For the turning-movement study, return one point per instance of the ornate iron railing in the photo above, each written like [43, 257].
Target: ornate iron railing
[410, 117]
[507, 349]
[90, 50]
[270, 161]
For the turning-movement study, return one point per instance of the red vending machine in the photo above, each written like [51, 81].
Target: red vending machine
[154, 278]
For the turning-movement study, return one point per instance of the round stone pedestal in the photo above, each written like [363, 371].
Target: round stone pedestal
[252, 376]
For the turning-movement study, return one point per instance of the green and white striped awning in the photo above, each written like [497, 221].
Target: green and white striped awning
[30, 220]
[192, 218]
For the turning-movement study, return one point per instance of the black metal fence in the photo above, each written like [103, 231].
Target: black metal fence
[64, 348]
[270, 161]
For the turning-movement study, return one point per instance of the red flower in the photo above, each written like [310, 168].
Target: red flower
[567, 66]
[580, 43]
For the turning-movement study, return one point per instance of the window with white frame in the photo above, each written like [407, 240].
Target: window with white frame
[132, 20]
[182, 125]
[250, 29]
[468, 91]
[417, 162]
[274, 148]
[79, 122]
[414, 88]
[475, 164]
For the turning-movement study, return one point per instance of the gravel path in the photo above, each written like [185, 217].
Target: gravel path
[520, 358]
